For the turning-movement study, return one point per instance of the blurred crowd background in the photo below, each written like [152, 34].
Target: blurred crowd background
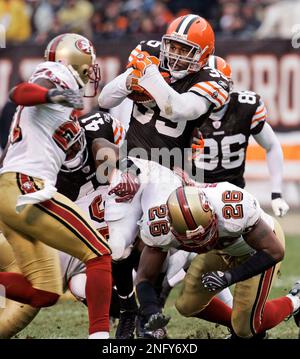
[37, 21]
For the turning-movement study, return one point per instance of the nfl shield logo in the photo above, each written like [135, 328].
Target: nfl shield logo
[216, 124]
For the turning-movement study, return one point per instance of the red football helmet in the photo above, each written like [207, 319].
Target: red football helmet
[186, 46]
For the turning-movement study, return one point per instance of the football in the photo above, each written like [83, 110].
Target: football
[142, 96]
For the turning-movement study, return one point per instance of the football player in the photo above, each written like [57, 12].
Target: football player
[239, 241]
[167, 113]
[77, 180]
[226, 133]
[35, 217]
[162, 125]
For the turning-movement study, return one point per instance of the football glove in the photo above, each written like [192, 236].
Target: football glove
[197, 143]
[141, 60]
[216, 281]
[68, 98]
[185, 178]
[279, 206]
[126, 189]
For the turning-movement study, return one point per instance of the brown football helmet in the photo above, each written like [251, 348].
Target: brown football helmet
[192, 219]
[78, 54]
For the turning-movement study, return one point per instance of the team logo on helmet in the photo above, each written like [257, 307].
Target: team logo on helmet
[204, 202]
[84, 45]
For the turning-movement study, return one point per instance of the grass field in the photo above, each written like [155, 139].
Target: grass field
[68, 319]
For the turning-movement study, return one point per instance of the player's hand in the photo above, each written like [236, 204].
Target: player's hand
[280, 207]
[132, 82]
[68, 98]
[185, 178]
[141, 60]
[126, 189]
[215, 281]
[197, 143]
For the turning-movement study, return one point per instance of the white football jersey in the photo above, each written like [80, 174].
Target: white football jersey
[236, 209]
[40, 134]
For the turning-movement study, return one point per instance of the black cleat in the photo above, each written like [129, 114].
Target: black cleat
[144, 333]
[157, 321]
[126, 325]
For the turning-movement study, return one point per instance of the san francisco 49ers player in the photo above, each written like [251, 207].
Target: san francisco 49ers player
[181, 103]
[237, 243]
[35, 217]
[226, 133]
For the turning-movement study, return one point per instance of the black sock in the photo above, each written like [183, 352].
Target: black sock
[147, 297]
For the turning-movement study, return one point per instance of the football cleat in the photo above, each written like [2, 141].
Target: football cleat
[295, 291]
[157, 321]
[126, 325]
[143, 333]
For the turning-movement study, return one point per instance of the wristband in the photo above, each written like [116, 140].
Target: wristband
[254, 265]
[275, 195]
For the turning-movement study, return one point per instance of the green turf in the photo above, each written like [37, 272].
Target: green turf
[69, 319]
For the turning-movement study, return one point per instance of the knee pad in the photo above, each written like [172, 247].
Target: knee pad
[77, 286]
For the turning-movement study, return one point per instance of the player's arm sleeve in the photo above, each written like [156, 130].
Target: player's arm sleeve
[119, 132]
[114, 92]
[174, 106]
[212, 92]
[267, 139]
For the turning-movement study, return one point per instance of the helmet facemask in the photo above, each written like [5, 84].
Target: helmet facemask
[76, 154]
[190, 62]
[201, 239]
[193, 220]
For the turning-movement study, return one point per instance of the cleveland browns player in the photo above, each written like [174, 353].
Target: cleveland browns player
[180, 104]
[78, 181]
[161, 129]
[35, 217]
[226, 133]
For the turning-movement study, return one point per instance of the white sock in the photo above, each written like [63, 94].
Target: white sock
[126, 296]
[295, 301]
[99, 335]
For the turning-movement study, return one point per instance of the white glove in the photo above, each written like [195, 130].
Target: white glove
[280, 207]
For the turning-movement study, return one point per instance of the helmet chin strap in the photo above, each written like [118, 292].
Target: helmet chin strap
[179, 74]
[75, 163]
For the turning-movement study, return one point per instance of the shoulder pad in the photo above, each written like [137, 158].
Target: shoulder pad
[57, 73]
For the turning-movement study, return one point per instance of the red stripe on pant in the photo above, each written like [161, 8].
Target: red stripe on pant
[257, 316]
[76, 223]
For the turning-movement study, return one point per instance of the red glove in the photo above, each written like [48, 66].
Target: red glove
[126, 188]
